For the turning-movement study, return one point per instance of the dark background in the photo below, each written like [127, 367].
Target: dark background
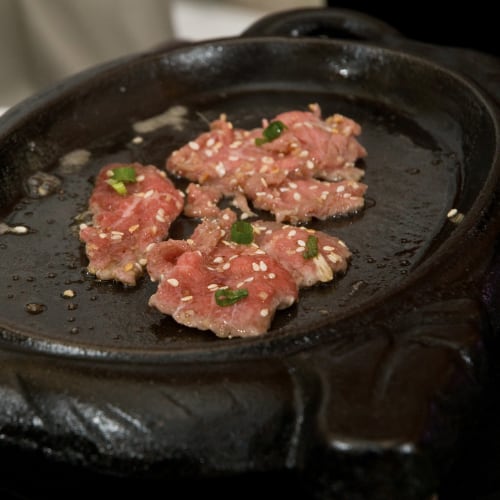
[473, 25]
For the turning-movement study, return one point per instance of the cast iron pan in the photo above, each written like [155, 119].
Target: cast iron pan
[371, 374]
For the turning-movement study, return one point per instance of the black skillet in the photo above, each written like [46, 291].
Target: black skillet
[365, 384]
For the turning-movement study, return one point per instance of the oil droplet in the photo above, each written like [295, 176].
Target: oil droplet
[413, 171]
[34, 308]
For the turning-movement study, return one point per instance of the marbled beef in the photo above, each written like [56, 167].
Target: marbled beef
[261, 276]
[228, 162]
[124, 225]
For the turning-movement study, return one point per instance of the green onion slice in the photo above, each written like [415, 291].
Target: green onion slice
[311, 250]
[120, 176]
[271, 132]
[242, 232]
[228, 297]
[124, 174]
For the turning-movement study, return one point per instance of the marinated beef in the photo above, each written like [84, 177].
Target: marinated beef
[212, 283]
[125, 223]
[234, 162]
[309, 256]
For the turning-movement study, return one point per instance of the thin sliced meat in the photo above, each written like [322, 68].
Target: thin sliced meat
[269, 270]
[325, 149]
[189, 282]
[302, 199]
[225, 161]
[290, 245]
[123, 226]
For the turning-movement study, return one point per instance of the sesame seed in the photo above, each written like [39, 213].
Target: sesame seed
[133, 228]
[296, 196]
[103, 235]
[264, 312]
[340, 189]
[218, 260]
[271, 276]
[309, 164]
[301, 243]
[148, 194]
[226, 266]
[300, 249]
[150, 246]
[255, 266]
[220, 169]
[292, 185]
[68, 294]
[137, 140]
[210, 142]
[186, 298]
[304, 153]
[140, 178]
[262, 266]
[328, 248]
[160, 215]
[143, 261]
[452, 213]
[173, 282]
[333, 257]
[213, 286]
[194, 145]
[263, 295]
[83, 226]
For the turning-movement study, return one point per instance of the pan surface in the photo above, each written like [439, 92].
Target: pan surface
[430, 136]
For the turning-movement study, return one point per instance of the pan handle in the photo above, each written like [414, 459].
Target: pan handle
[324, 23]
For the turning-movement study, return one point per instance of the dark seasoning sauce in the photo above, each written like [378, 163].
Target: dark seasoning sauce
[48, 292]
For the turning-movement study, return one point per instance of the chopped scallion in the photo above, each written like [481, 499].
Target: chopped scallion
[228, 297]
[311, 250]
[242, 232]
[271, 132]
[120, 176]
